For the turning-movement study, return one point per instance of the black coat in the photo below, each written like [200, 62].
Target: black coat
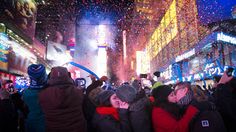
[107, 123]
[225, 101]
[89, 107]
[140, 114]
[208, 119]
[8, 116]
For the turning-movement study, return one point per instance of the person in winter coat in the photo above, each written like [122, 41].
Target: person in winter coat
[225, 100]
[111, 115]
[61, 102]
[8, 113]
[139, 107]
[35, 121]
[90, 103]
[19, 104]
[166, 114]
[208, 118]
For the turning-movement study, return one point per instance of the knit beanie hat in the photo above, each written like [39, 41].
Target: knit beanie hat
[126, 93]
[38, 76]
[104, 97]
[161, 93]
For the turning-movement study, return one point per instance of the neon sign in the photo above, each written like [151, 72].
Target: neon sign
[226, 38]
[185, 55]
[210, 69]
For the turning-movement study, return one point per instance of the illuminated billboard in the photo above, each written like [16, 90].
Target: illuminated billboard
[57, 53]
[215, 10]
[142, 63]
[4, 51]
[17, 61]
[164, 33]
[22, 13]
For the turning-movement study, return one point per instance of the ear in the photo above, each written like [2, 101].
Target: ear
[185, 90]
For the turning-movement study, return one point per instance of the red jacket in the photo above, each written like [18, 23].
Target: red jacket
[164, 122]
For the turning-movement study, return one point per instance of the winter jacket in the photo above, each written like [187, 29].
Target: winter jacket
[225, 101]
[208, 119]
[20, 104]
[22, 109]
[164, 122]
[61, 102]
[88, 106]
[140, 114]
[35, 121]
[8, 116]
[109, 119]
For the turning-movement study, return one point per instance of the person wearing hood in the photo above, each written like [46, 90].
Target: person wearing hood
[35, 121]
[111, 115]
[61, 102]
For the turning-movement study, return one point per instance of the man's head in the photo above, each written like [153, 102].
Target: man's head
[183, 93]
[126, 93]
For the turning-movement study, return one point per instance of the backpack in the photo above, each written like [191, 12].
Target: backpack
[207, 121]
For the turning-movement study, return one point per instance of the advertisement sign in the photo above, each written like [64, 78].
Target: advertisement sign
[54, 50]
[22, 13]
[215, 10]
[17, 61]
[4, 51]
[57, 53]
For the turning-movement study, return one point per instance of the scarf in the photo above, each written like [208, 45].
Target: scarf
[108, 111]
[186, 99]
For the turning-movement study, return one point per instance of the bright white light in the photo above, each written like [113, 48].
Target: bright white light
[226, 38]
[19, 50]
[143, 63]
[138, 61]
[101, 34]
[64, 58]
[102, 62]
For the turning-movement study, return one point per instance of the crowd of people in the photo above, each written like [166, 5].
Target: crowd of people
[53, 103]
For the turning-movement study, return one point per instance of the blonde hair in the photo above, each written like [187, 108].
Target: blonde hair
[198, 93]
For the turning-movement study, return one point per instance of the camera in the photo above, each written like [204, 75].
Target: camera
[143, 75]
[229, 71]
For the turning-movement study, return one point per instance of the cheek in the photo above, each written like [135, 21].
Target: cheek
[179, 95]
[172, 99]
[115, 103]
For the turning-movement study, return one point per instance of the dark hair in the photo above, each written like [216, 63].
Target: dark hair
[106, 103]
[160, 95]
[172, 108]
[198, 93]
[216, 78]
